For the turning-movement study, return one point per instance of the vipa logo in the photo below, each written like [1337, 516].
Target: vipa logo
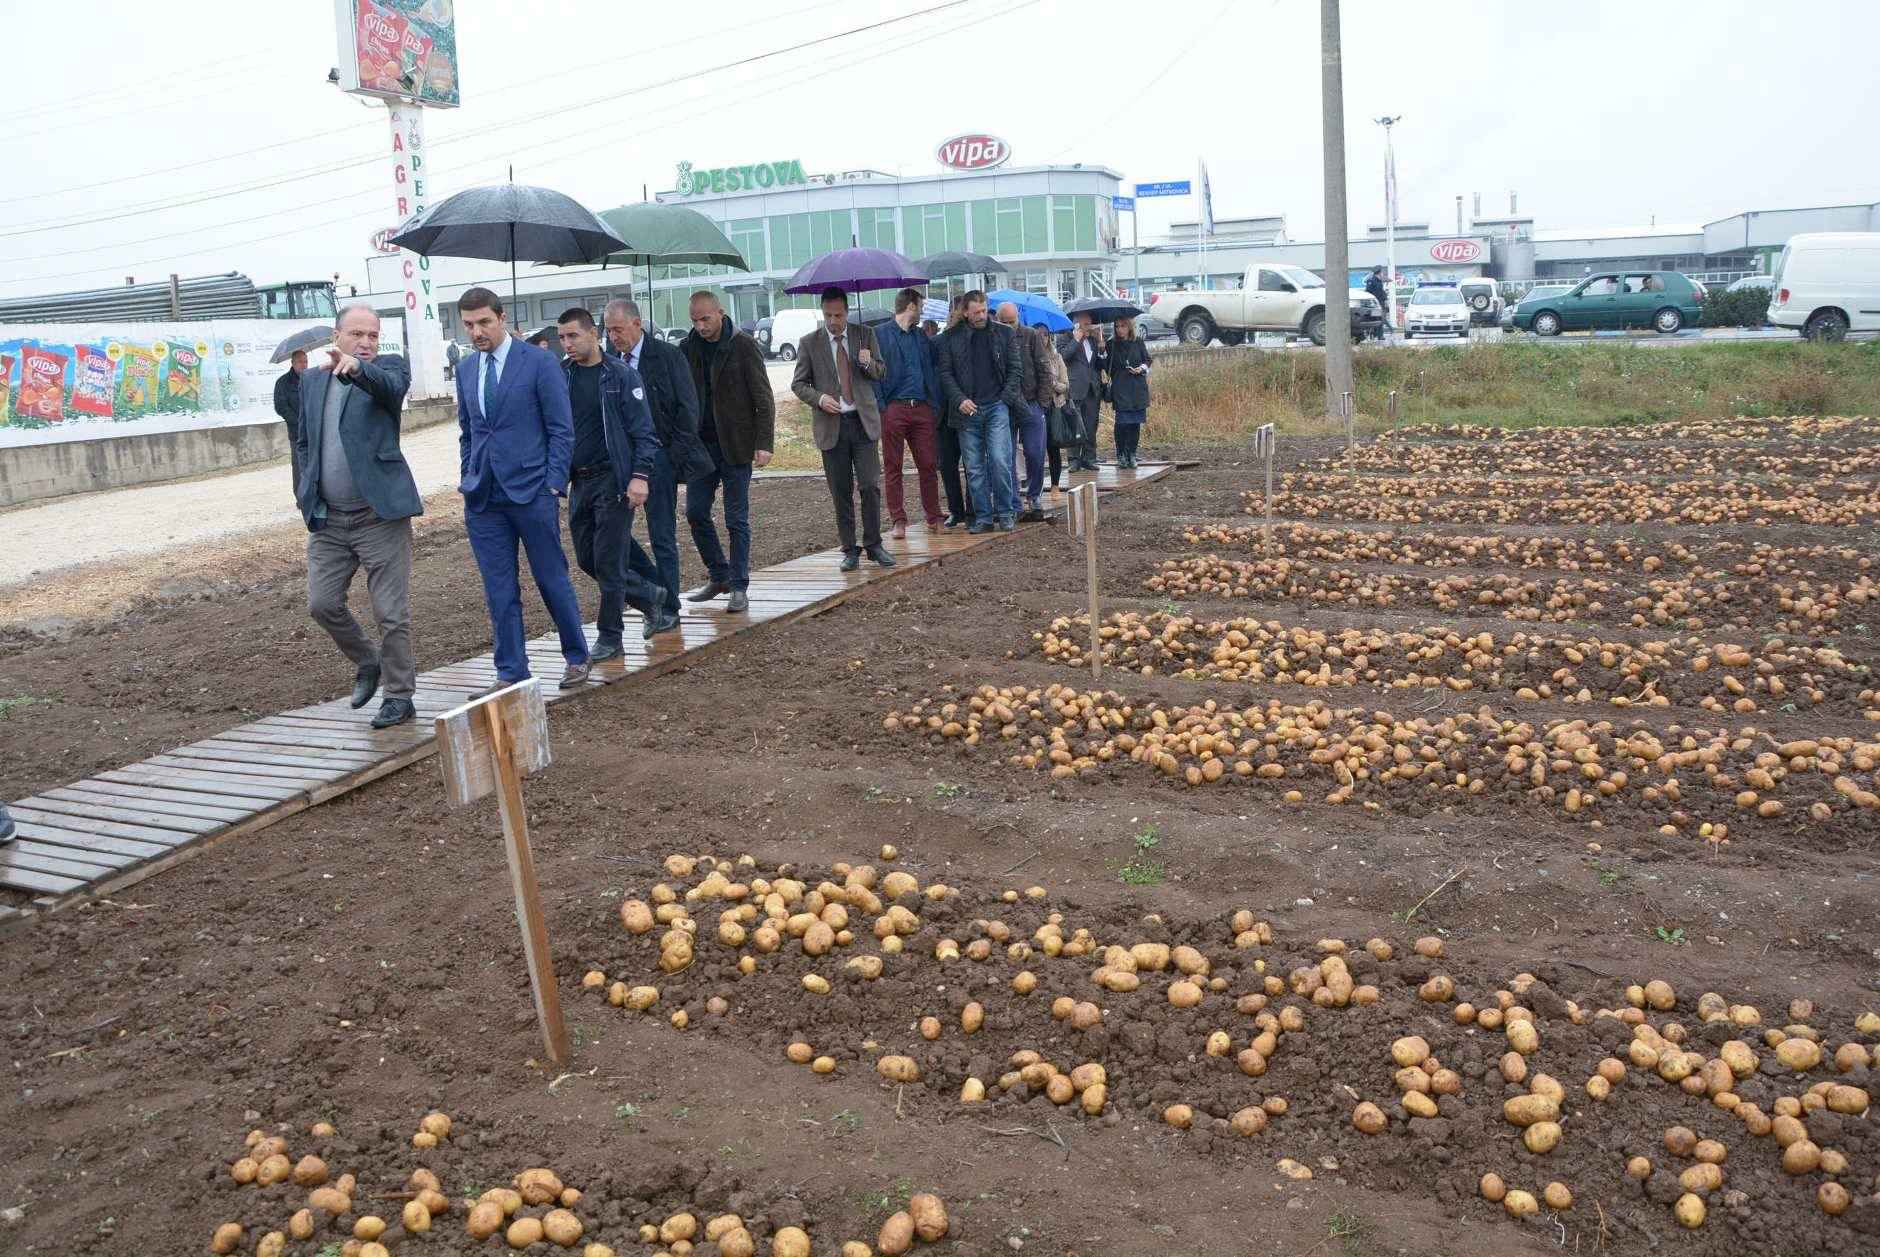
[973, 152]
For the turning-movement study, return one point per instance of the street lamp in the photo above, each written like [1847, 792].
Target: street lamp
[1390, 219]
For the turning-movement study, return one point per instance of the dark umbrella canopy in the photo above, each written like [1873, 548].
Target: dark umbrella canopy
[1104, 309]
[856, 270]
[871, 316]
[306, 339]
[509, 222]
[941, 265]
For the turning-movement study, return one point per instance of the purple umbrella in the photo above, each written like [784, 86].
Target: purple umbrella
[856, 270]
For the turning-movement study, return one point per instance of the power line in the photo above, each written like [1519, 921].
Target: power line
[638, 123]
[221, 193]
[519, 84]
[143, 84]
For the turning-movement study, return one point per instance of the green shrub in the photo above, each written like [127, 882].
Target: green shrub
[1747, 307]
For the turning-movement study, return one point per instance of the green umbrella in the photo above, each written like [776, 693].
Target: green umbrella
[669, 234]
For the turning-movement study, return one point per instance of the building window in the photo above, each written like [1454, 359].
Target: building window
[1035, 237]
[1074, 224]
[874, 228]
[747, 237]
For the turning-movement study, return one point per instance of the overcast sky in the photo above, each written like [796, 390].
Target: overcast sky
[1599, 114]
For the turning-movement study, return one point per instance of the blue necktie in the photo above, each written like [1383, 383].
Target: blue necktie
[488, 385]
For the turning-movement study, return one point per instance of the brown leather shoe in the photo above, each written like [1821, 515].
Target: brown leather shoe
[900, 532]
[576, 675]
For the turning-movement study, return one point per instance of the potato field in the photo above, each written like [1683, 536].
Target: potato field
[1478, 860]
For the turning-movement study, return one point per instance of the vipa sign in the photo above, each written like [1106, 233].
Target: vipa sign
[1455, 251]
[973, 152]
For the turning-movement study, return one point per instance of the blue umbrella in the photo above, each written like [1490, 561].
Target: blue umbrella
[1034, 309]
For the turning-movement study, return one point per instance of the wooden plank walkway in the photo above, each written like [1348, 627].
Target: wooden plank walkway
[99, 835]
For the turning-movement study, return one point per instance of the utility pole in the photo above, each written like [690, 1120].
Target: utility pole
[1390, 220]
[1337, 221]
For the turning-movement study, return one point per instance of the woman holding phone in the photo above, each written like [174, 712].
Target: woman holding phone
[1129, 389]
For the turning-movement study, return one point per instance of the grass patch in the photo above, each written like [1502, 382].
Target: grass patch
[1221, 397]
[1142, 871]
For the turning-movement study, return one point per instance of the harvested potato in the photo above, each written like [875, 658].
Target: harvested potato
[244, 1170]
[436, 1124]
[300, 1226]
[1180, 1116]
[368, 1226]
[273, 1244]
[1492, 1188]
[1368, 1118]
[930, 1216]
[1529, 1109]
[538, 1186]
[1541, 1137]
[562, 1227]
[274, 1169]
[1833, 1199]
[1689, 1211]
[227, 1238]
[1410, 1050]
[898, 1069]
[680, 1226]
[523, 1232]
[1520, 1204]
[791, 1241]
[1557, 1196]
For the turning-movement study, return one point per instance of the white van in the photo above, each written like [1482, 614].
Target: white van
[1827, 284]
[787, 327]
[1484, 299]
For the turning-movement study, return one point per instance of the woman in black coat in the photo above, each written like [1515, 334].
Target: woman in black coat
[1129, 389]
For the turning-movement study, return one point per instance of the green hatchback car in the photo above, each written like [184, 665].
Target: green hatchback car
[1664, 301]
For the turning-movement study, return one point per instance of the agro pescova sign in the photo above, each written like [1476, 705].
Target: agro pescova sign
[973, 152]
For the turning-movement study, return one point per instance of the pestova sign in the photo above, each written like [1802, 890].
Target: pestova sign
[773, 174]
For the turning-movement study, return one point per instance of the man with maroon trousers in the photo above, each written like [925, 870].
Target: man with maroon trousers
[910, 409]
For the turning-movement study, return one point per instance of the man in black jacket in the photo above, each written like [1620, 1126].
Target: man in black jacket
[609, 472]
[358, 497]
[681, 456]
[982, 379]
[1085, 360]
[1375, 286]
[287, 406]
[739, 424]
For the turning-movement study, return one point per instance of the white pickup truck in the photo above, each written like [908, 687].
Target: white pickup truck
[1271, 298]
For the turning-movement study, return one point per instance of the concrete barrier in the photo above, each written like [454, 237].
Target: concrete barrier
[30, 473]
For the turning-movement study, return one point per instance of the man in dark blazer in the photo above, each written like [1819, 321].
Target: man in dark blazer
[515, 440]
[1085, 359]
[287, 406]
[681, 454]
[981, 368]
[836, 369]
[358, 497]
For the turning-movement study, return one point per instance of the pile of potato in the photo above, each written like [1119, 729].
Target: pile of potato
[1860, 429]
[1578, 458]
[1706, 560]
[1576, 766]
[1684, 601]
[1531, 666]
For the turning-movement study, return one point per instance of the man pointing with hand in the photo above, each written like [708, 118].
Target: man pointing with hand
[358, 497]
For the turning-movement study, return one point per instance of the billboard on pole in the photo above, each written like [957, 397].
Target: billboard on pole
[399, 50]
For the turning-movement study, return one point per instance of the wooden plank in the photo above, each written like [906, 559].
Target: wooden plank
[144, 801]
[65, 861]
[361, 737]
[272, 750]
[23, 811]
[52, 836]
[40, 883]
[122, 815]
[200, 759]
[173, 793]
[235, 784]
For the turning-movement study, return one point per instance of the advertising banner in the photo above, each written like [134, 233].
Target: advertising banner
[83, 381]
[399, 50]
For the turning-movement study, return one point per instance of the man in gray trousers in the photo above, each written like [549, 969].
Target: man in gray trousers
[358, 497]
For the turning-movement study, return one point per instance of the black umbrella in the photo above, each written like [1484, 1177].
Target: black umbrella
[871, 316]
[509, 222]
[941, 265]
[308, 338]
[1103, 309]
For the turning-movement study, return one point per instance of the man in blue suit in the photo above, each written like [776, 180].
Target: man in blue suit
[515, 440]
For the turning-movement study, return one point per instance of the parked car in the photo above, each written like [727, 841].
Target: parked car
[1271, 298]
[762, 335]
[1752, 281]
[1828, 284]
[1436, 310]
[787, 327]
[1535, 293]
[1484, 300]
[1151, 328]
[1662, 300]
[1367, 317]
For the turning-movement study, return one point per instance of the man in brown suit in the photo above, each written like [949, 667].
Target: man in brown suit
[836, 369]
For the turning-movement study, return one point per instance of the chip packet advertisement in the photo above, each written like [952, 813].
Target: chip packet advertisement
[82, 381]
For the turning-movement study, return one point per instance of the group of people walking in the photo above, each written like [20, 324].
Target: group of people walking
[965, 402]
[613, 425]
[622, 418]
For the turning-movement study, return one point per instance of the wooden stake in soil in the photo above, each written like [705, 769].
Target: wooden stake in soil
[487, 747]
[1083, 512]
[1263, 437]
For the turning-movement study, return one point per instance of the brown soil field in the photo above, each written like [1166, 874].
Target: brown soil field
[1250, 959]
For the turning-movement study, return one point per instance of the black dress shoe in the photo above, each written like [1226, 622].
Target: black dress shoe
[850, 562]
[952, 521]
[709, 590]
[394, 711]
[365, 684]
[576, 675]
[606, 648]
[740, 601]
[879, 553]
[662, 622]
